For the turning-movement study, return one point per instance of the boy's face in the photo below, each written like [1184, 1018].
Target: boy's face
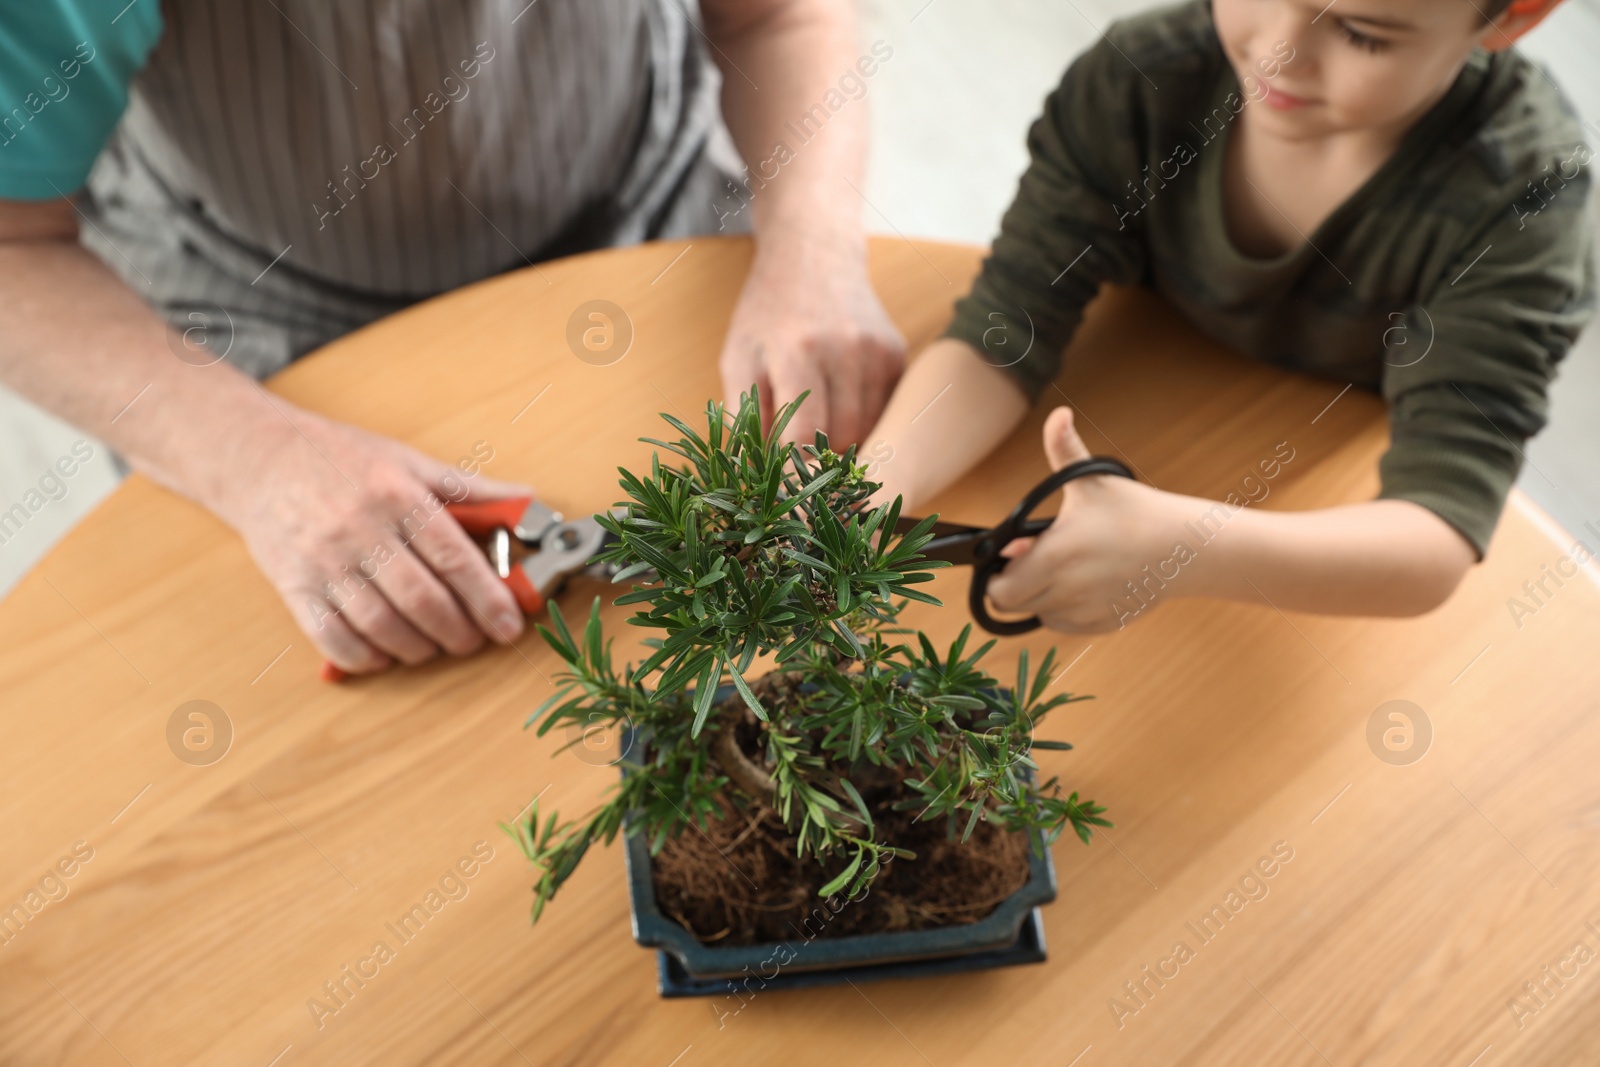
[1347, 65]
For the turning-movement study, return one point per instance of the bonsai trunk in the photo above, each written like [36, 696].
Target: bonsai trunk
[751, 776]
[744, 772]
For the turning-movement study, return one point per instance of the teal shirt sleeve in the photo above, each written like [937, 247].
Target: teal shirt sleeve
[65, 68]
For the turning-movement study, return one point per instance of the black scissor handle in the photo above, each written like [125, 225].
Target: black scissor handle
[987, 560]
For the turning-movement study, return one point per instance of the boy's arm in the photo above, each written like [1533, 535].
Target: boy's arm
[1381, 557]
[1067, 231]
[1119, 547]
[950, 410]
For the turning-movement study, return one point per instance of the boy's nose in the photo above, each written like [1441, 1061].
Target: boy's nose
[1287, 38]
[1280, 58]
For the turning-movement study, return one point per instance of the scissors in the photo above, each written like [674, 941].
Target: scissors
[979, 546]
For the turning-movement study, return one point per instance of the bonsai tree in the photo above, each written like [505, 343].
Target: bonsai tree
[767, 572]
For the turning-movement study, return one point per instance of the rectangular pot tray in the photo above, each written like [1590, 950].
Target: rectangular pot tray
[673, 981]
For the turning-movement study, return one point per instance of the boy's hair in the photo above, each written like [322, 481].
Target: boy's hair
[1493, 9]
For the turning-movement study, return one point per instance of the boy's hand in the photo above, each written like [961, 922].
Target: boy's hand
[1075, 574]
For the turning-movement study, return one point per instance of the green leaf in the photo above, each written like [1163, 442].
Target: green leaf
[591, 635]
[1020, 693]
[977, 812]
[781, 418]
[629, 571]
[810, 561]
[815, 486]
[744, 691]
[855, 797]
[567, 649]
[848, 873]
[558, 695]
[958, 700]
[748, 653]
[851, 643]
[703, 698]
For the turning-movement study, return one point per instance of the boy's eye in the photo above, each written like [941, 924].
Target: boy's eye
[1361, 40]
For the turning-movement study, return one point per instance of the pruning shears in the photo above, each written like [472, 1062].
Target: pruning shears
[533, 549]
[979, 546]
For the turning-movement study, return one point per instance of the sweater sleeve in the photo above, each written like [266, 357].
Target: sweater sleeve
[1471, 386]
[1073, 224]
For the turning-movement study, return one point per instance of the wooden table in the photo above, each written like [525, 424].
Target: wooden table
[219, 899]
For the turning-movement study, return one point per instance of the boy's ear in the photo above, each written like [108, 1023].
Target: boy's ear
[1514, 21]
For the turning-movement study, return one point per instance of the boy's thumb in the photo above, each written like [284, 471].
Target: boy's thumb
[1062, 445]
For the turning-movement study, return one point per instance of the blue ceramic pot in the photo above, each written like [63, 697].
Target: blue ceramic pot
[1012, 933]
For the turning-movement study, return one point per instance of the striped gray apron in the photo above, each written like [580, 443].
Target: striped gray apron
[300, 167]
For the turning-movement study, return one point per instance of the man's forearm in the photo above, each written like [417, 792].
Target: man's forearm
[1380, 558]
[81, 344]
[779, 60]
[808, 321]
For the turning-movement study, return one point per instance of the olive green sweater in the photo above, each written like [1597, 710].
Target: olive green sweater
[1452, 282]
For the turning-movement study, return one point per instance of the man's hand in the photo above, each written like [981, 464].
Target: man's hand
[349, 527]
[1075, 574]
[808, 318]
[351, 530]
[812, 321]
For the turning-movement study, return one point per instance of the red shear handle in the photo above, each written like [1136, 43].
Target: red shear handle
[489, 516]
[529, 599]
[486, 516]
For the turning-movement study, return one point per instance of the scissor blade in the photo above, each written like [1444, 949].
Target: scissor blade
[952, 541]
[906, 523]
[958, 543]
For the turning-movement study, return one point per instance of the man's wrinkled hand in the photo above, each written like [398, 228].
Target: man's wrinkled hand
[352, 531]
[814, 323]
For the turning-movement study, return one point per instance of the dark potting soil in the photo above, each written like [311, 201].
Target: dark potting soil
[740, 882]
